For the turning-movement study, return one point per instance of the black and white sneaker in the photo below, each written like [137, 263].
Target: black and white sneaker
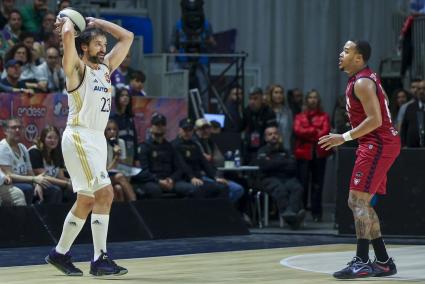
[356, 269]
[382, 269]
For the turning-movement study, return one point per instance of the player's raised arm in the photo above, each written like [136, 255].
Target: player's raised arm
[70, 59]
[125, 38]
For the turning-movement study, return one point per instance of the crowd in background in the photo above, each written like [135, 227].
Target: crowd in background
[278, 132]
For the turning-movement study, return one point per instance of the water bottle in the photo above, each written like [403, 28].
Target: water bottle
[228, 162]
[237, 159]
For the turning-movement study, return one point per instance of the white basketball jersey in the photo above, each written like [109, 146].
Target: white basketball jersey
[90, 104]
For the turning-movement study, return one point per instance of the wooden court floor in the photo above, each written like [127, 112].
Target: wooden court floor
[283, 265]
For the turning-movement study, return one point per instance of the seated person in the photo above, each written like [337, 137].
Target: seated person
[12, 83]
[195, 167]
[137, 81]
[46, 159]
[162, 169]
[214, 156]
[15, 162]
[279, 177]
[123, 190]
[10, 195]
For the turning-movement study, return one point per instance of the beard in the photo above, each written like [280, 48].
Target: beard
[95, 59]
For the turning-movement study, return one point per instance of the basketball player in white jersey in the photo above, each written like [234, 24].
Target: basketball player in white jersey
[87, 68]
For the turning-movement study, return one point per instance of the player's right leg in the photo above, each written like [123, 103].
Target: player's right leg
[60, 256]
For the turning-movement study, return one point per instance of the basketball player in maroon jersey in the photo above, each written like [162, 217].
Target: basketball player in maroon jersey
[379, 146]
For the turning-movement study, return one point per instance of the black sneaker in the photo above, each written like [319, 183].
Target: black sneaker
[106, 266]
[63, 263]
[382, 269]
[356, 269]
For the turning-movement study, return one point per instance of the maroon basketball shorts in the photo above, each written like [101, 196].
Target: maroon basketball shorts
[371, 167]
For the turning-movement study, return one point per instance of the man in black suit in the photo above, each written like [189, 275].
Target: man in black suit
[413, 125]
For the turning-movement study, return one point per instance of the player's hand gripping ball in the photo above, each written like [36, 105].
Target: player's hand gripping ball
[76, 17]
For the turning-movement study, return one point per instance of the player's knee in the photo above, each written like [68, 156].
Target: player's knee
[105, 195]
[119, 176]
[85, 202]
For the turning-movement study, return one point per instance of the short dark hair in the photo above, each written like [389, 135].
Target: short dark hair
[363, 48]
[25, 35]
[138, 75]
[86, 36]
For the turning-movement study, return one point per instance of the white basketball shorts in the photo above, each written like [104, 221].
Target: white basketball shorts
[85, 152]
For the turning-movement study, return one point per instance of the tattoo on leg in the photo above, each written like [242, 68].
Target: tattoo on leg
[375, 231]
[362, 217]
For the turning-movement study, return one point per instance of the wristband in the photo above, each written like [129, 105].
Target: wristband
[347, 136]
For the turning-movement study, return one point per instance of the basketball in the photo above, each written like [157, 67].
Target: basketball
[76, 17]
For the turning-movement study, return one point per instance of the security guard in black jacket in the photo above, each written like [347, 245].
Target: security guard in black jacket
[196, 169]
[161, 166]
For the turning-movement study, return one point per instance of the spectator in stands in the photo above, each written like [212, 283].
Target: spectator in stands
[123, 190]
[196, 169]
[11, 31]
[295, 100]
[234, 105]
[62, 4]
[46, 159]
[32, 15]
[47, 25]
[255, 118]
[284, 118]
[162, 167]
[6, 6]
[29, 75]
[309, 125]
[413, 125]
[15, 162]
[414, 84]
[215, 127]
[214, 156]
[12, 83]
[121, 76]
[137, 81]
[417, 8]
[127, 129]
[10, 195]
[193, 33]
[398, 98]
[279, 177]
[52, 72]
[28, 39]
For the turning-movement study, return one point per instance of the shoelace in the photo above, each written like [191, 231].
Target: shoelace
[356, 261]
[106, 258]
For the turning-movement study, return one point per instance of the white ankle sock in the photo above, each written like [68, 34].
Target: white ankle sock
[99, 230]
[71, 228]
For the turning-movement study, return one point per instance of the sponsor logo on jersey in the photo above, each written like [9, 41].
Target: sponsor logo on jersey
[356, 181]
[107, 77]
[101, 89]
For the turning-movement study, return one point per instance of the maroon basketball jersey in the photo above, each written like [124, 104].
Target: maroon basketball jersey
[386, 134]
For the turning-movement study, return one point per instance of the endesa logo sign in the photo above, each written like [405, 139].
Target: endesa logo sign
[31, 111]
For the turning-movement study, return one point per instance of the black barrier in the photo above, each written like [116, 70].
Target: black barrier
[402, 210]
[20, 226]
[141, 220]
[191, 218]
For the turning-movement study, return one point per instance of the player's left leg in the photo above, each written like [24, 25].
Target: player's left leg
[102, 264]
[360, 266]
[383, 265]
